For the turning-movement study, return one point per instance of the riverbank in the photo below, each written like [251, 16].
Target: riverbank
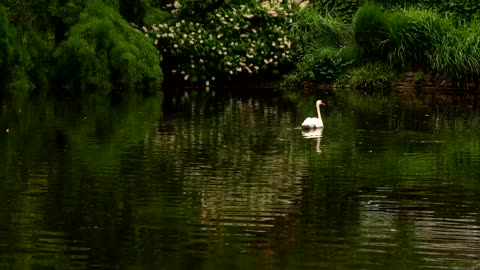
[219, 44]
[436, 92]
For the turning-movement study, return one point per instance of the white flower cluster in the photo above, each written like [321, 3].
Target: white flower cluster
[229, 44]
[176, 7]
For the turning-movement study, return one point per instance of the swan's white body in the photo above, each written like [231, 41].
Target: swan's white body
[314, 122]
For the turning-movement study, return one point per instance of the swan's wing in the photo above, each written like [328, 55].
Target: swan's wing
[308, 122]
[318, 123]
[312, 122]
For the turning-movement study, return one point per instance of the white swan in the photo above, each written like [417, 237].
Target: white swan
[314, 122]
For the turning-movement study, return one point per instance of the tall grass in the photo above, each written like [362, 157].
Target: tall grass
[457, 54]
[386, 42]
[412, 37]
[313, 28]
[323, 47]
[370, 30]
[321, 65]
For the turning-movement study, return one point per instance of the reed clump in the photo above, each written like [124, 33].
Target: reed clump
[323, 47]
[370, 31]
[457, 54]
[412, 37]
[313, 28]
[414, 40]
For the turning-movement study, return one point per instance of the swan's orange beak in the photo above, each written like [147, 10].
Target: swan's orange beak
[322, 104]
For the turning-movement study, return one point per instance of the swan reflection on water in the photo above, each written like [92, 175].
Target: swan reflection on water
[312, 134]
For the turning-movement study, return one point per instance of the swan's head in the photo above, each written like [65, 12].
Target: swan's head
[319, 102]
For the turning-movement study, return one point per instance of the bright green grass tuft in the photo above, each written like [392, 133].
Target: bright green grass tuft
[370, 30]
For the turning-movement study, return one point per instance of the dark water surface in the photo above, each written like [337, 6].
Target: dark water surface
[210, 182]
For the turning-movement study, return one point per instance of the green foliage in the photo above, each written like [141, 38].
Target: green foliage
[19, 83]
[321, 47]
[103, 48]
[70, 11]
[26, 5]
[372, 79]
[418, 78]
[457, 54]
[133, 10]
[21, 56]
[468, 10]
[311, 28]
[230, 39]
[321, 65]
[412, 37]
[27, 14]
[342, 9]
[371, 29]
[115, 4]
[235, 41]
[38, 50]
[7, 42]
[403, 40]
[156, 15]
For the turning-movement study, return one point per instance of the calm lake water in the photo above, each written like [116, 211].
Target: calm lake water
[219, 182]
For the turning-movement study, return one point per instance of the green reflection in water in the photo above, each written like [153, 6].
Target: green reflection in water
[399, 188]
[61, 184]
[210, 182]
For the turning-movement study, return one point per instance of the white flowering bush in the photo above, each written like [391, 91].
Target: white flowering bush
[231, 41]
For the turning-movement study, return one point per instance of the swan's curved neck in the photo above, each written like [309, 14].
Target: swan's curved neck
[318, 111]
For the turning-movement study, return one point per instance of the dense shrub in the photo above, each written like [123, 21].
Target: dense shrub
[145, 12]
[34, 53]
[23, 58]
[7, 45]
[238, 40]
[321, 65]
[156, 15]
[103, 48]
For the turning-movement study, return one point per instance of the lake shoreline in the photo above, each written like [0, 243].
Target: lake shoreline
[410, 91]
